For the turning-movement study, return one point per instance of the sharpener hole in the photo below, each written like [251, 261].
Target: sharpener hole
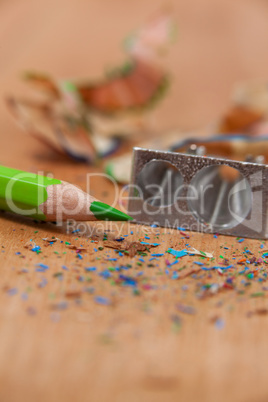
[159, 183]
[219, 196]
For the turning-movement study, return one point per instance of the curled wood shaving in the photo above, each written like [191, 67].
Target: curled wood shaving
[193, 250]
[258, 311]
[73, 294]
[131, 247]
[28, 245]
[50, 239]
[74, 247]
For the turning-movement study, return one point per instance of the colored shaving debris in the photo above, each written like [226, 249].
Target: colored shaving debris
[105, 270]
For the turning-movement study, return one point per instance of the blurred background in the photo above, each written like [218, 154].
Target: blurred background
[219, 43]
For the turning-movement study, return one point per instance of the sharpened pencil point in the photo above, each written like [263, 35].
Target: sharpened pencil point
[104, 212]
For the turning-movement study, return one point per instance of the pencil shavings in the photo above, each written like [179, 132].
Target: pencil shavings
[77, 248]
[50, 239]
[141, 84]
[61, 131]
[193, 251]
[240, 119]
[258, 311]
[248, 112]
[130, 248]
[73, 294]
[177, 253]
[28, 245]
[84, 120]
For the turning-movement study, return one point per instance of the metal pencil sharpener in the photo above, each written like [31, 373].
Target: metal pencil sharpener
[199, 193]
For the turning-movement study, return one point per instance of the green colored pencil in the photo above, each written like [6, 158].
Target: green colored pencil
[50, 199]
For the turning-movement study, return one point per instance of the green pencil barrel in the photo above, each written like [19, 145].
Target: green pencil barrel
[23, 192]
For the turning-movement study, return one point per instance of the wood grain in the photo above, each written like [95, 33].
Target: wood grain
[59, 344]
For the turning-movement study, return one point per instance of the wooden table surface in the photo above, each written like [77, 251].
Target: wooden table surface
[166, 343]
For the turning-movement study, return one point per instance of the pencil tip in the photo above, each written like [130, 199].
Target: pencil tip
[104, 211]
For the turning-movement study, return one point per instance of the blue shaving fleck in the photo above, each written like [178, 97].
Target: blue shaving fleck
[36, 248]
[105, 274]
[128, 281]
[219, 323]
[41, 267]
[217, 267]
[12, 292]
[175, 275]
[177, 253]
[150, 244]
[174, 262]
[119, 239]
[102, 300]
